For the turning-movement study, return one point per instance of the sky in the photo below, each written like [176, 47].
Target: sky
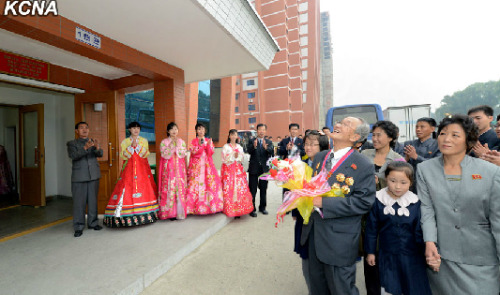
[411, 52]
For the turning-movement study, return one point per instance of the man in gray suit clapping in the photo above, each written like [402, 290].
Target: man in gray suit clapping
[85, 175]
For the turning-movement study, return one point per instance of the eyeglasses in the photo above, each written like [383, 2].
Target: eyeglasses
[311, 145]
[346, 124]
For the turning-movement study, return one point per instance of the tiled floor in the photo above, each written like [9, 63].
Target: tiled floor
[21, 218]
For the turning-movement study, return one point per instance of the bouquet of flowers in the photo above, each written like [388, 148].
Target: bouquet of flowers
[297, 177]
[279, 170]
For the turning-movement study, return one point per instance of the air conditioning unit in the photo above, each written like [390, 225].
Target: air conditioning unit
[251, 113]
[250, 100]
[252, 126]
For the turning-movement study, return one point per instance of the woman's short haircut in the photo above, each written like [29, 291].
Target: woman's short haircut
[402, 167]
[390, 129]
[467, 124]
[322, 139]
[133, 124]
[199, 125]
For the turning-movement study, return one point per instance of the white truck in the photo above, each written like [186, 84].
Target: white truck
[405, 117]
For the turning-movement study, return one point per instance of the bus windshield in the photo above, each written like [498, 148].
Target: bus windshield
[368, 113]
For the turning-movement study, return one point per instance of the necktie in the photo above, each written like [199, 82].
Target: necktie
[328, 164]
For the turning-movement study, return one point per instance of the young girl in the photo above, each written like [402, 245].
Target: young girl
[237, 196]
[172, 175]
[395, 220]
[204, 192]
[313, 144]
[133, 201]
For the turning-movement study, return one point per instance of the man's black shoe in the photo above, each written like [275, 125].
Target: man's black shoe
[253, 214]
[264, 212]
[78, 233]
[97, 227]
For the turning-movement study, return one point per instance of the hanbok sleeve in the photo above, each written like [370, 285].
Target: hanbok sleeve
[166, 148]
[195, 147]
[181, 148]
[142, 148]
[209, 147]
[126, 148]
[227, 155]
[239, 158]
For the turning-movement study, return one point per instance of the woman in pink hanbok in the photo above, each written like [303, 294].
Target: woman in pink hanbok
[172, 175]
[237, 196]
[204, 193]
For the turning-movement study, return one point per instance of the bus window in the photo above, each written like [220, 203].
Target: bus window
[368, 113]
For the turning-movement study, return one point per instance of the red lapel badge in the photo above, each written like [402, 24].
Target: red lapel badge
[476, 176]
[353, 166]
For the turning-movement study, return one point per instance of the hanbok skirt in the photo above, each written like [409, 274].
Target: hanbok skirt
[133, 201]
[237, 196]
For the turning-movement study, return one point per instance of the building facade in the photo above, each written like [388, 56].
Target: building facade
[79, 63]
[326, 92]
[289, 91]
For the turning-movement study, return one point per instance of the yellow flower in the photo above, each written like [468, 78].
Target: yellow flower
[345, 189]
[349, 181]
[336, 186]
[340, 177]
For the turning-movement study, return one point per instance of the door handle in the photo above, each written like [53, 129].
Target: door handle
[37, 156]
[110, 154]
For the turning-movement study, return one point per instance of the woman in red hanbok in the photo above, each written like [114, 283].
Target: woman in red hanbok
[237, 196]
[204, 193]
[133, 201]
[172, 175]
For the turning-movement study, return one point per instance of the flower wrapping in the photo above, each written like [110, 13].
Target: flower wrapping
[295, 175]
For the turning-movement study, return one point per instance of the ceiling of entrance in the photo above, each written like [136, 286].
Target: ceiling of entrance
[179, 32]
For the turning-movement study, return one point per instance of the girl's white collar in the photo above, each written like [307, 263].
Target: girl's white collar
[404, 201]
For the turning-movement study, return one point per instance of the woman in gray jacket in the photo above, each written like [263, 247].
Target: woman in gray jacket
[460, 209]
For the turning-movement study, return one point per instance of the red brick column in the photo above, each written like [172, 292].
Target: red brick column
[227, 104]
[170, 106]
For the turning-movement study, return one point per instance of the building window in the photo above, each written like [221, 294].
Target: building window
[303, 17]
[252, 120]
[303, 29]
[304, 75]
[237, 121]
[304, 63]
[250, 82]
[302, 6]
[304, 98]
[237, 96]
[236, 109]
[304, 51]
[237, 82]
[304, 86]
[303, 41]
[251, 107]
[251, 95]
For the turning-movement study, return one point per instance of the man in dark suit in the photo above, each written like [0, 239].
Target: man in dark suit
[260, 150]
[334, 239]
[85, 175]
[293, 145]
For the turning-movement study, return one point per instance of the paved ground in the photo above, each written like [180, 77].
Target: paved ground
[248, 256]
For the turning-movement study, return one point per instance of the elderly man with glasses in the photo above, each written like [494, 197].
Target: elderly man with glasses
[333, 235]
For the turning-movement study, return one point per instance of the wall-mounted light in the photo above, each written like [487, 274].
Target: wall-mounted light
[98, 107]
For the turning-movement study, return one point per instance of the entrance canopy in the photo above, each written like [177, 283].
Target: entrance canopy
[206, 39]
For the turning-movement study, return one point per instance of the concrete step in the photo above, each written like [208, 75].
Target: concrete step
[110, 261]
